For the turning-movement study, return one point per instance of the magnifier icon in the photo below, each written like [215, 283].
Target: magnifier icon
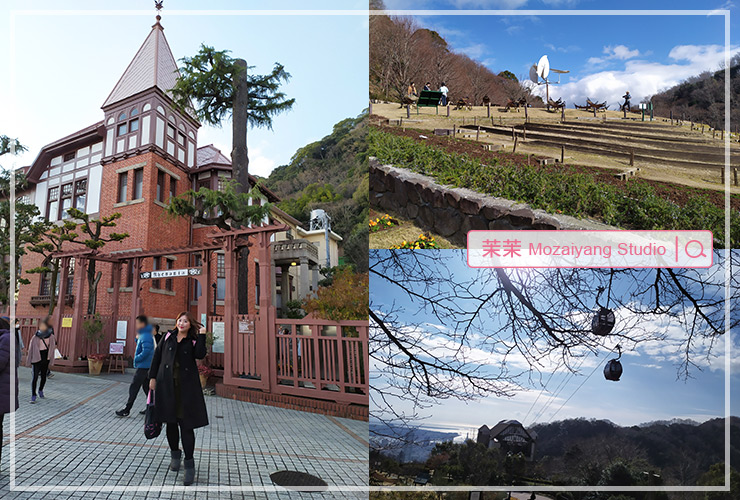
[701, 249]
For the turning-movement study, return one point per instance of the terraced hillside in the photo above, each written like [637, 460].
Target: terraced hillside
[650, 143]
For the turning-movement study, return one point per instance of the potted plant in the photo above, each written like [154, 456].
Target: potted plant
[204, 371]
[93, 328]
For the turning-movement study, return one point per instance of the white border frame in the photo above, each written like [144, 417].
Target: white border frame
[368, 488]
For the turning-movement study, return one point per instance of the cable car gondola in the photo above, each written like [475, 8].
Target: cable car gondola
[613, 369]
[603, 322]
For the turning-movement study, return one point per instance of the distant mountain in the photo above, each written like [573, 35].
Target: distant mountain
[332, 174]
[701, 98]
[681, 450]
[572, 451]
[685, 421]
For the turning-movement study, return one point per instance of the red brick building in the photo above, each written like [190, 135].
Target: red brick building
[133, 161]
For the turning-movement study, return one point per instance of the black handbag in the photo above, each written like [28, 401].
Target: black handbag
[152, 427]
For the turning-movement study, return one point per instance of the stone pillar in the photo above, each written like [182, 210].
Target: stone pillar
[303, 286]
[315, 277]
[273, 282]
[284, 280]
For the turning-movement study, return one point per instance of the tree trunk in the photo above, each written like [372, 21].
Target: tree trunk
[240, 166]
[53, 287]
[92, 283]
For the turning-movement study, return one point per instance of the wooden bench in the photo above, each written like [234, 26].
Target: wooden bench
[428, 99]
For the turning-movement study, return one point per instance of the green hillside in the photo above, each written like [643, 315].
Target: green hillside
[701, 98]
[331, 174]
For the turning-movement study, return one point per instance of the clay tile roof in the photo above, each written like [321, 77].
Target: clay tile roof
[152, 66]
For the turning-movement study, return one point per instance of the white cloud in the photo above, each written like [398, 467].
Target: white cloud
[642, 78]
[725, 6]
[564, 50]
[511, 30]
[475, 51]
[259, 164]
[618, 52]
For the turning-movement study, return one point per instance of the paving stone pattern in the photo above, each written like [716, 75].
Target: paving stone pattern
[73, 438]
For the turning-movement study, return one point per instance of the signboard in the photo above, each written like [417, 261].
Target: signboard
[116, 348]
[66, 322]
[170, 273]
[121, 327]
[246, 326]
[218, 336]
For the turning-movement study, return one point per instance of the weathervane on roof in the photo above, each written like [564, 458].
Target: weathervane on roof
[158, 6]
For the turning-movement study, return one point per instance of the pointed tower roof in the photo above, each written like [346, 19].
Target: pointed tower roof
[152, 66]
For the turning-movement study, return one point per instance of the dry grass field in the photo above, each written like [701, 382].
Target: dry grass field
[696, 174]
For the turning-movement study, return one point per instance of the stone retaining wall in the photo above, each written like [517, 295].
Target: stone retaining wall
[452, 212]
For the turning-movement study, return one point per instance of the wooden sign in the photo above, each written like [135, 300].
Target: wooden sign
[116, 348]
[66, 322]
[170, 273]
[246, 326]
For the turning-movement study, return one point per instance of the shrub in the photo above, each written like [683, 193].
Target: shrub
[346, 299]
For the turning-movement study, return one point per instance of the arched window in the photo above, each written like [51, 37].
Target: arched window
[134, 112]
[122, 116]
[147, 107]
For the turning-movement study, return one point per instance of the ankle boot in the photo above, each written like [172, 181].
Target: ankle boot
[175, 457]
[189, 472]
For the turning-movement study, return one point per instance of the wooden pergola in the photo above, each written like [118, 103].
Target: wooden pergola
[230, 242]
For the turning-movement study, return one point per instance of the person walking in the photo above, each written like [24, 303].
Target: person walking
[142, 361]
[41, 350]
[6, 375]
[157, 335]
[178, 395]
[443, 88]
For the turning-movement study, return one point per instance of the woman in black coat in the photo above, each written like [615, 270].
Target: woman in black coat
[178, 395]
[7, 377]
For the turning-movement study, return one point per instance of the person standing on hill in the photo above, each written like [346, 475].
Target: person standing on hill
[443, 88]
[627, 105]
[142, 362]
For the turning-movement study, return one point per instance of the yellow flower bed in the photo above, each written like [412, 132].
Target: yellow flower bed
[423, 242]
[382, 222]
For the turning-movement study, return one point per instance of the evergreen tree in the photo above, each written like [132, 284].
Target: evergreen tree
[221, 86]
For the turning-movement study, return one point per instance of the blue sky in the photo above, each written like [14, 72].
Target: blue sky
[650, 388]
[606, 55]
[65, 66]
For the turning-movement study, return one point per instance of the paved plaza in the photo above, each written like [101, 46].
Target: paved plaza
[73, 438]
